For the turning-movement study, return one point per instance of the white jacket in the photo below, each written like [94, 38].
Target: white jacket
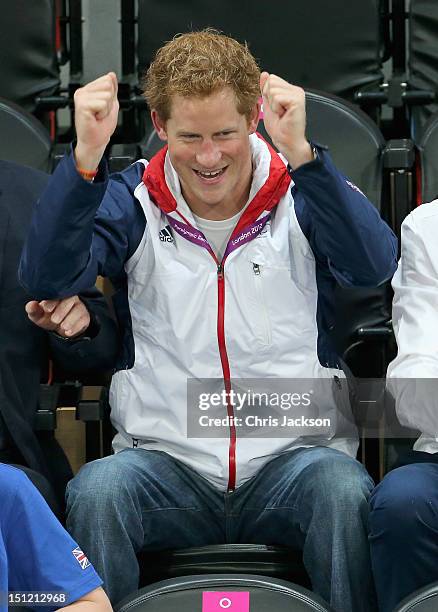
[264, 313]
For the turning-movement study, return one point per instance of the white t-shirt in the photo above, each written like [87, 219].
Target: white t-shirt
[218, 232]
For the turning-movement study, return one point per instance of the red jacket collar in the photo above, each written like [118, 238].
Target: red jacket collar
[265, 199]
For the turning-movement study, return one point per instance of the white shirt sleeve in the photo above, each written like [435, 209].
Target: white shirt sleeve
[415, 320]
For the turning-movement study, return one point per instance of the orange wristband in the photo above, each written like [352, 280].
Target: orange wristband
[88, 175]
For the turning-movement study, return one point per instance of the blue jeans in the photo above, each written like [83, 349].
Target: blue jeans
[314, 499]
[404, 532]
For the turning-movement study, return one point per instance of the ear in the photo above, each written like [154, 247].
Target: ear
[159, 125]
[254, 117]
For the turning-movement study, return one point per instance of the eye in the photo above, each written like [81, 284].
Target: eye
[226, 133]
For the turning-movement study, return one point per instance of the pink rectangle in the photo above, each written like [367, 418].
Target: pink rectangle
[218, 601]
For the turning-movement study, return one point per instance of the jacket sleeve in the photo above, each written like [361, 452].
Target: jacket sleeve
[97, 348]
[80, 230]
[413, 375]
[344, 229]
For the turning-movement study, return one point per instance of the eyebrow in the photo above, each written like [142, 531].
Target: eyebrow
[189, 133]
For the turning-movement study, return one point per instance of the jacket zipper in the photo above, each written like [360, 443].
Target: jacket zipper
[225, 363]
[226, 373]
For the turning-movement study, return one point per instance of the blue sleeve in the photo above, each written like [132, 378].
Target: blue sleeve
[80, 230]
[41, 555]
[97, 348]
[344, 229]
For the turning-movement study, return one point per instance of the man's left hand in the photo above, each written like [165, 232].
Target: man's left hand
[68, 317]
[284, 112]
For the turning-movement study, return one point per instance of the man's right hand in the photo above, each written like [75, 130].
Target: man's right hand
[96, 113]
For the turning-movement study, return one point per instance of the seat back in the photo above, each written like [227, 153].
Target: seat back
[28, 51]
[269, 561]
[423, 600]
[423, 57]
[354, 140]
[428, 147]
[24, 139]
[187, 595]
[360, 331]
[335, 46]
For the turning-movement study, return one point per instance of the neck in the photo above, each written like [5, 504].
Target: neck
[218, 212]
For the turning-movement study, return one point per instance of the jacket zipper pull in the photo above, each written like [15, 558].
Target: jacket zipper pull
[256, 269]
[220, 271]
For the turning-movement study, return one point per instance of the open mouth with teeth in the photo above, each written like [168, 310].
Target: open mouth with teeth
[210, 176]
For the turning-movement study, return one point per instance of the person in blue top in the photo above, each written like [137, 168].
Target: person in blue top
[39, 562]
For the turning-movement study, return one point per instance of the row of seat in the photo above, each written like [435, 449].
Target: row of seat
[358, 51]
[186, 594]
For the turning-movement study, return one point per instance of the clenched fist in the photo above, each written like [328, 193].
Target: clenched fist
[284, 115]
[96, 113]
[68, 317]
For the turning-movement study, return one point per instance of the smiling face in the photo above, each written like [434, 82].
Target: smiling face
[209, 149]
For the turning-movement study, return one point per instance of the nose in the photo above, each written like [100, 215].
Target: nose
[208, 154]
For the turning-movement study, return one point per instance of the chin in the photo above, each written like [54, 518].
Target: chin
[212, 201]
[211, 196]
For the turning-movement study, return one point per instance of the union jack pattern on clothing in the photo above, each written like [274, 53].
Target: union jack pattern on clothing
[81, 558]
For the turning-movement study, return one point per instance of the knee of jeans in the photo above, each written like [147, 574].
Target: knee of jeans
[98, 484]
[400, 502]
[342, 481]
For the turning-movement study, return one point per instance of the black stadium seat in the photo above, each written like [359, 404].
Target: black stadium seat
[269, 561]
[185, 595]
[346, 130]
[310, 43]
[423, 59]
[36, 39]
[337, 47]
[23, 138]
[423, 600]
[428, 148]
[28, 51]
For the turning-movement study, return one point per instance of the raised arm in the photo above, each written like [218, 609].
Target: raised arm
[344, 229]
[82, 228]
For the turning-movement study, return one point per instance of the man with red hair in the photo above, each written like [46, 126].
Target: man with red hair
[224, 255]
